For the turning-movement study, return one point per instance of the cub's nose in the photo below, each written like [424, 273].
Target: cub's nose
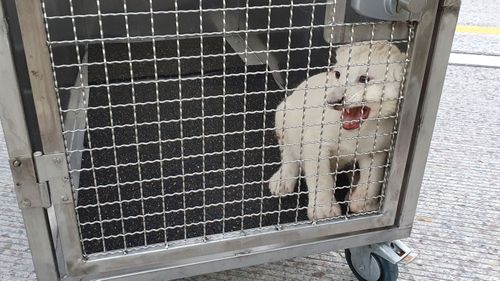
[336, 104]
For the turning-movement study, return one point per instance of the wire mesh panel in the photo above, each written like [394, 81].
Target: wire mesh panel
[191, 121]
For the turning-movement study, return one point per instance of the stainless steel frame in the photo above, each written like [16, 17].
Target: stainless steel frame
[20, 157]
[423, 87]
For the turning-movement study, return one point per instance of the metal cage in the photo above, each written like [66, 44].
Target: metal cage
[152, 139]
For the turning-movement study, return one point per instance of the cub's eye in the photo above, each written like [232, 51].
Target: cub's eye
[364, 79]
[337, 74]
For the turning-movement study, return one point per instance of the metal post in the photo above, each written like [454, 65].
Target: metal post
[18, 143]
[34, 36]
[444, 31]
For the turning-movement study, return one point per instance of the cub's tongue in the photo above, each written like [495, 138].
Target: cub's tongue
[351, 117]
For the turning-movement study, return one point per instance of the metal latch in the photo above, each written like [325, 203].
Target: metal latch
[393, 10]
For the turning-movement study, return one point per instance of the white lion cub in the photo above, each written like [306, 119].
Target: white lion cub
[321, 128]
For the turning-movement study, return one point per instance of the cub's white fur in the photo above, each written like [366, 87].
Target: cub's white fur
[308, 146]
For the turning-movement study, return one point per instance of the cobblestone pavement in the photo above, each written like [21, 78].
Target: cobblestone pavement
[456, 230]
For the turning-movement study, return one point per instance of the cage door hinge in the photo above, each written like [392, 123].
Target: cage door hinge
[39, 177]
[50, 166]
[30, 192]
[52, 169]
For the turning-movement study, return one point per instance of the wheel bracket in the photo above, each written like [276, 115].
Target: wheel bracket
[394, 252]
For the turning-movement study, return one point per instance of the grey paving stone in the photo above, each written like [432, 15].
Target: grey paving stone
[480, 12]
[484, 44]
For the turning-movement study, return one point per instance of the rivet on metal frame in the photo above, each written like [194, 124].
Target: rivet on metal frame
[26, 203]
[57, 161]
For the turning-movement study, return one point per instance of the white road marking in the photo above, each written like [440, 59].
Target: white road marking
[475, 60]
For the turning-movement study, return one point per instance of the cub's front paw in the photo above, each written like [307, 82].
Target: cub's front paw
[328, 210]
[358, 206]
[282, 183]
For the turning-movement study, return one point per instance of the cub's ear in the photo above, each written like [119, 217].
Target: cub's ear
[382, 49]
[342, 53]
[397, 55]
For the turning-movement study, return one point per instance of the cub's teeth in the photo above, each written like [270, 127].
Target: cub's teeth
[348, 111]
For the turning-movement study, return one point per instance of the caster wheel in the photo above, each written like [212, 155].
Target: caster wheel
[370, 267]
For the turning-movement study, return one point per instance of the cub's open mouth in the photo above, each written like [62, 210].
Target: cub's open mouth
[352, 117]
